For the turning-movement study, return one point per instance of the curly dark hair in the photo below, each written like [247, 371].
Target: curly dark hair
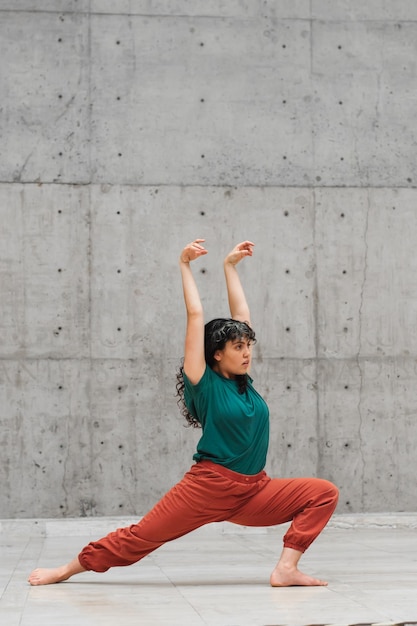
[217, 333]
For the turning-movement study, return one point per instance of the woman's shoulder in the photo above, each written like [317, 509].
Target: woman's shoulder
[207, 374]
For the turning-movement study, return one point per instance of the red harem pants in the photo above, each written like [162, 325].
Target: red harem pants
[212, 493]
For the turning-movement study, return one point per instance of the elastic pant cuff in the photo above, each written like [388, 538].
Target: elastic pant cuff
[293, 546]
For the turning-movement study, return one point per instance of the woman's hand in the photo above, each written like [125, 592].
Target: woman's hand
[192, 251]
[239, 252]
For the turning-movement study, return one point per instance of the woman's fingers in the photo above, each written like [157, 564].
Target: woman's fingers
[193, 250]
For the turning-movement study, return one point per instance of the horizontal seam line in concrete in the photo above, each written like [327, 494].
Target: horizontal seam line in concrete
[129, 14]
[201, 186]
[373, 357]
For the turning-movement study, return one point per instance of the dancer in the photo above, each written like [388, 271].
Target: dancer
[227, 482]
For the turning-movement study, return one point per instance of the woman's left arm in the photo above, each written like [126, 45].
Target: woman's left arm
[239, 309]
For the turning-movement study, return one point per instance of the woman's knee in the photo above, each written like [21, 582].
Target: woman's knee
[329, 491]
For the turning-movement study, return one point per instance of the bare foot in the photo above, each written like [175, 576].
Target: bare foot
[48, 576]
[55, 575]
[285, 577]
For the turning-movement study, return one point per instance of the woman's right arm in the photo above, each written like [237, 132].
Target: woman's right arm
[194, 361]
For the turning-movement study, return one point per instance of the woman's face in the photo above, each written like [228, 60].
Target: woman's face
[235, 358]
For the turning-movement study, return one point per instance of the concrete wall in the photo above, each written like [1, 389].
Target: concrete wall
[129, 128]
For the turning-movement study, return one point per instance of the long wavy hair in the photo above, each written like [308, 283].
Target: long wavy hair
[217, 333]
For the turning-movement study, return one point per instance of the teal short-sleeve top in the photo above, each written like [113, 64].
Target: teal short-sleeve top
[235, 426]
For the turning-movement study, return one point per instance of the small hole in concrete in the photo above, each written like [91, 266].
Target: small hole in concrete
[345, 329]
[202, 212]
[119, 329]
[202, 156]
[119, 154]
[342, 215]
[346, 386]
[203, 271]
[287, 329]
[286, 213]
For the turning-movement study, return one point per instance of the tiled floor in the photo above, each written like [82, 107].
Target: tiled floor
[216, 576]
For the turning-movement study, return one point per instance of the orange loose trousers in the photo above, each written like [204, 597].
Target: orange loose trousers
[209, 493]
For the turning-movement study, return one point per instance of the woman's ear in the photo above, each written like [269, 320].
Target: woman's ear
[218, 355]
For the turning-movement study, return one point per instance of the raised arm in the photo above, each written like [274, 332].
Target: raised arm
[194, 361]
[238, 305]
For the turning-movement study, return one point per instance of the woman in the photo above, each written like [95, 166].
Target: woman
[227, 482]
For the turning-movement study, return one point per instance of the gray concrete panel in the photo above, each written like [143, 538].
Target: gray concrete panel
[356, 10]
[289, 386]
[45, 438]
[44, 270]
[139, 442]
[235, 89]
[364, 78]
[44, 124]
[367, 428]
[365, 256]
[137, 230]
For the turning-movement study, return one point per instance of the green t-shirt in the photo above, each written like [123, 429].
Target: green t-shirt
[235, 426]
